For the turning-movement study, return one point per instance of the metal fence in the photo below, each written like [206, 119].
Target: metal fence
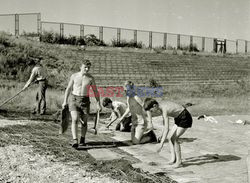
[21, 24]
[31, 24]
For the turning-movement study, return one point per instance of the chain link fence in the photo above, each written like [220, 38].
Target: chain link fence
[30, 24]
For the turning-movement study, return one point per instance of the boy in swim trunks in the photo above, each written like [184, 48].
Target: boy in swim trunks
[118, 108]
[183, 121]
[79, 104]
[141, 131]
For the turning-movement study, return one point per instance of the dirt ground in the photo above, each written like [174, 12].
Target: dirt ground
[21, 164]
[32, 151]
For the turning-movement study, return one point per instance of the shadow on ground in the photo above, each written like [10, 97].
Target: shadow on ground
[209, 158]
[101, 144]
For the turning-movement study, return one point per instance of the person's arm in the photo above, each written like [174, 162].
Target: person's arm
[138, 100]
[31, 79]
[117, 115]
[111, 116]
[165, 130]
[150, 123]
[97, 96]
[67, 91]
[126, 112]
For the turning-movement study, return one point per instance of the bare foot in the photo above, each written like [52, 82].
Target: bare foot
[171, 162]
[177, 165]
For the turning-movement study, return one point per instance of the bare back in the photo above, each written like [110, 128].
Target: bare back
[172, 109]
[137, 110]
[81, 84]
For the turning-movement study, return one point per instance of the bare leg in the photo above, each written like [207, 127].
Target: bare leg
[177, 146]
[74, 116]
[84, 125]
[171, 144]
[136, 134]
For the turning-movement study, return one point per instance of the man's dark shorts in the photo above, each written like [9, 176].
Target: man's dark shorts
[184, 120]
[127, 123]
[80, 104]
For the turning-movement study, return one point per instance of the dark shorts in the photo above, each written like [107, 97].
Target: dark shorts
[80, 104]
[184, 119]
[127, 123]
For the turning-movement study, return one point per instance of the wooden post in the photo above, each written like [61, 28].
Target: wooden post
[135, 36]
[178, 41]
[191, 40]
[191, 48]
[61, 30]
[150, 39]
[203, 43]
[245, 46]
[237, 44]
[39, 26]
[81, 31]
[118, 35]
[101, 33]
[16, 24]
[215, 45]
[225, 46]
[165, 41]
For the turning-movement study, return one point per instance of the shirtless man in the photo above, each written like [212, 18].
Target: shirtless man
[142, 129]
[118, 109]
[183, 121]
[79, 104]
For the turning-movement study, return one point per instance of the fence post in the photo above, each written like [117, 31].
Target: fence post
[118, 36]
[101, 33]
[245, 46]
[225, 46]
[203, 44]
[178, 41]
[61, 30]
[191, 40]
[39, 24]
[191, 48]
[150, 39]
[215, 45]
[135, 36]
[237, 46]
[16, 24]
[81, 31]
[165, 41]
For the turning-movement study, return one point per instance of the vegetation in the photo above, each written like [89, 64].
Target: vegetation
[18, 56]
[190, 48]
[125, 43]
[55, 38]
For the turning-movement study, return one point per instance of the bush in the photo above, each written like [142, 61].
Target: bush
[47, 37]
[30, 34]
[191, 47]
[92, 40]
[5, 40]
[55, 38]
[125, 43]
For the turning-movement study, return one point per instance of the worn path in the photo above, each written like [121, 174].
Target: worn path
[212, 152]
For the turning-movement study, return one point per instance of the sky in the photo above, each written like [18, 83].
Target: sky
[229, 19]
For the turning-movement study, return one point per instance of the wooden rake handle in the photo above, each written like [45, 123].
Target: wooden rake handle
[11, 98]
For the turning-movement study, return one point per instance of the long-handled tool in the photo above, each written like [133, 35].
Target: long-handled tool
[9, 99]
[97, 119]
